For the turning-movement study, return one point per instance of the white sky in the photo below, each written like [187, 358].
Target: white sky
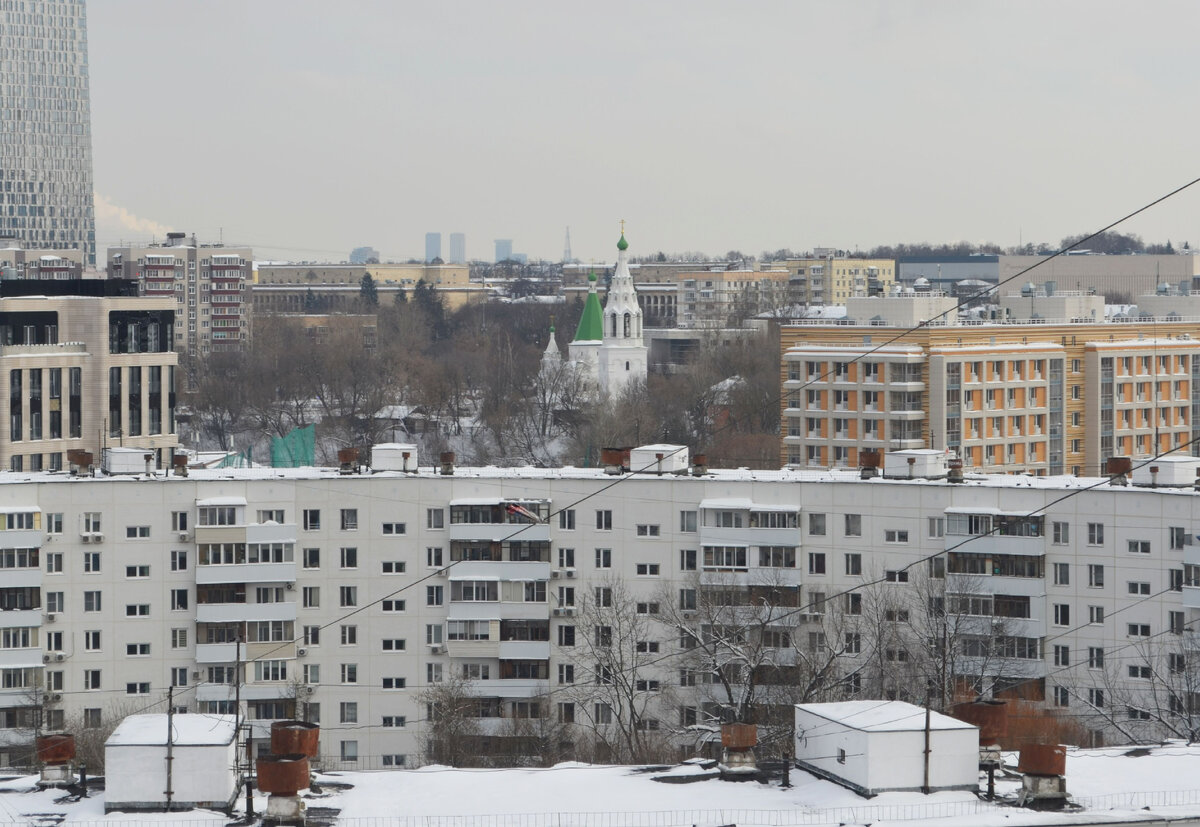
[308, 127]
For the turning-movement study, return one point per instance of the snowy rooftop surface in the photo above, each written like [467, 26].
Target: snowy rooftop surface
[1109, 785]
[186, 730]
[428, 469]
[880, 716]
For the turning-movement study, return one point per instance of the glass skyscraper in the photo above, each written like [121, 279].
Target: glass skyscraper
[45, 127]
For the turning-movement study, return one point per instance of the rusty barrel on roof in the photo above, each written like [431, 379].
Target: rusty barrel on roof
[295, 738]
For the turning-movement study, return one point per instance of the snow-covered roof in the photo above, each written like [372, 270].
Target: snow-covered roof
[221, 501]
[742, 504]
[191, 729]
[882, 716]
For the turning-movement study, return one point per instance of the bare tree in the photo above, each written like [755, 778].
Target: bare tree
[452, 733]
[618, 694]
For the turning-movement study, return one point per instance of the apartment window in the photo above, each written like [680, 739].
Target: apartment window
[1095, 615]
[349, 519]
[893, 535]
[1062, 574]
[91, 562]
[853, 603]
[1175, 622]
[1096, 698]
[348, 712]
[135, 650]
[179, 638]
[566, 673]
[1176, 576]
[1095, 657]
[349, 673]
[1061, 696]
[399, 683]
[393, 566]
[1062, 655]
[179, 599]
[137, 572]
[1062, 614]
[1139, 546]
[1096, 576]
[312, 519]
[1138, 629]
[687, 559]
[137, 532]
[604, 597]
[435, 518]
[604, 520]
[349, 750]
[54, 562]
[1060, 533]
[687, 521]
[604, 558]
[816, 525]
[396, 721]
[91, 679]
[349, 558]
[648, 530]
[566, 635]
[349, 635]
[1095, 534]
[311, 558]
[137, 610]
[647, 569]
[687, 599]
[853, 525]
[816, 562]
[937, 527]
[137, 688]
[179, 560]
[91, 601]
[390, 529]
[1138, 587]
[566, 519]
[853, 642]
[1179, 537]
[433, 557]
[896, 575]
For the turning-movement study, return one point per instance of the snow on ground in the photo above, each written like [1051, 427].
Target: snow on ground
[1114, 785]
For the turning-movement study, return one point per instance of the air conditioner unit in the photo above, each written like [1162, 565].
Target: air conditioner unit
[569, 572]
[183, 535]
[97, 538]
[555, 574]
[290, 586]
[437, 648]
[568, 611]
[52, 617]
[86, 538]
[45, 658]
[301, 653]
[56, 697]
[308, 690]
[59, 657]
[688, 613]
[196, 675]
[558, 612]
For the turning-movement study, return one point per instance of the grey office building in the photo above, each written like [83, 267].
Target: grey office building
[458, 248]
[433, 246]
[46, 127]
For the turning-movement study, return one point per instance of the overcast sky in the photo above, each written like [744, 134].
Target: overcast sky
[307, 127]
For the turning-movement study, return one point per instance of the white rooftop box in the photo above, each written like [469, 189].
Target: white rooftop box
[127, 460]
[1174, 472]
[925, 463]
[659, 459]
[394, 456]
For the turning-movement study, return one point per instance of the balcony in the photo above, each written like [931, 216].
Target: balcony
[246, 573]
[23, 537]
[996, 584]
[30, 657]
[17, 618]
[234, 612]
[998, 544]
[524, 650]
[250, 691]
[498, 532]
[271, 533]
[1191, 597]
[227, 652]
[501, 570]
[714, 536]
[473, 648]
[510, 688]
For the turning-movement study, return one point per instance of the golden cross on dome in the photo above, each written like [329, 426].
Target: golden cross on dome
[622, 226]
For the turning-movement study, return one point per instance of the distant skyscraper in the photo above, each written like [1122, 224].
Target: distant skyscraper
[433, 246]
[46, 125]
[458, 248]
[363, 255]
[503, 249]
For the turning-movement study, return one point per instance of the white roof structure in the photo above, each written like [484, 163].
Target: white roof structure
[191, 730]
[882, 716]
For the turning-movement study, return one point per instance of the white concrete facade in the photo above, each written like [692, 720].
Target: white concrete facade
[353, 592]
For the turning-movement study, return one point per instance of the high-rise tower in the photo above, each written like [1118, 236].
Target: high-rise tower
[46, 127]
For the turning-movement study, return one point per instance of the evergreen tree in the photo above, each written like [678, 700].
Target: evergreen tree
[367, 291]
[311, 305]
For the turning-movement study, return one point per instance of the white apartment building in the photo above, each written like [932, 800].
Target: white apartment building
[353, 592]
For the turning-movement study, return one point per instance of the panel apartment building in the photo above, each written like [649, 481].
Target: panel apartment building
[349, 594]
[1049, 387]
[210, 284]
